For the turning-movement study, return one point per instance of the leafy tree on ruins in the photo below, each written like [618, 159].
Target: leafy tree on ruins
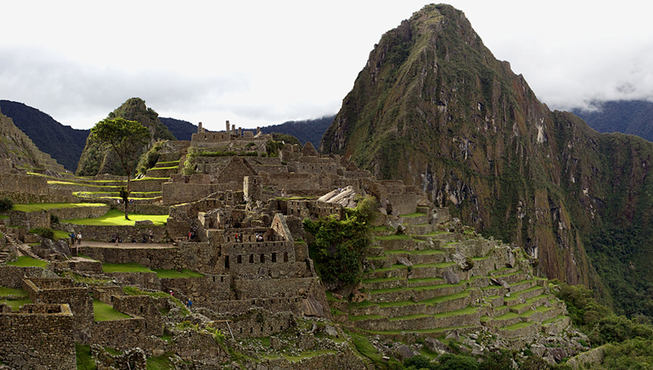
[124, 138]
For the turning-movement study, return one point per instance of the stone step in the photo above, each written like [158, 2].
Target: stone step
[522, 285]
[403, 308]
[395, 242]
[161, 164]
[530, 304]
[162, 172]
[414, 219]
[416, 294]
[411, 335]
[419, 229]
[522, 296]
[373, 284]
[465, 316]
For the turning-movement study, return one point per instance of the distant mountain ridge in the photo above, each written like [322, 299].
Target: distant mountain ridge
[182, 130]
[63, 143]
[307, 130]
[633, 117]
[16, 146]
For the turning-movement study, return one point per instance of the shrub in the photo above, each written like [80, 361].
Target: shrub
[6, 204]
[54, 219]
[458, 362]
[43, 232]
[149, 158]
[418, 362]
[339, 246]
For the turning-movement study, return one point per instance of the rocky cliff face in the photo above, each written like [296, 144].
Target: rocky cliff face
[95, 159]
[21, 151]
[435, 108]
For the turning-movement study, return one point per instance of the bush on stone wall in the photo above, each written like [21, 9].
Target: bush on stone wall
[339, 246]
[43, 232]
[6, 204]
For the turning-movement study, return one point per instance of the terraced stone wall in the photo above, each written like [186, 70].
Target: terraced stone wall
[121, 334]
[38, 334]
[12, 276]
[149, 308]
[127, 233]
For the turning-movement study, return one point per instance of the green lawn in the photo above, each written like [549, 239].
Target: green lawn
[11, 292]
[117, 218]
[15, 304]
[124, 267]
[84, 359]
[173, 274]
[106, 312]
[35, 207]
[159, 362]
[413, 215]
[26, 261]
[393, 237]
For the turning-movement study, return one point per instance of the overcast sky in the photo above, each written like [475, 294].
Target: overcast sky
[265, 62]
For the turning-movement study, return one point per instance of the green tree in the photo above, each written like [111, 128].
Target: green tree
[124, 138]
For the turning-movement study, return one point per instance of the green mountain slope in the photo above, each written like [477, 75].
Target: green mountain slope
[95, 160]
[435, 108]
[21, 151]
[63, 143]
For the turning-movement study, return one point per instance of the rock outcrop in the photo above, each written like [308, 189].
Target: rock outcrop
[96, 160]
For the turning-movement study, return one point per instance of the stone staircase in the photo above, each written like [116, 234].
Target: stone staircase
[415, 286]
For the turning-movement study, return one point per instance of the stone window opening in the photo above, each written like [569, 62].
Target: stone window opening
[262, 258]
[285, 256]
[274, 257]
[222, 279]
[141, 308]
[240, 259]
[226, 262]
[251, 258]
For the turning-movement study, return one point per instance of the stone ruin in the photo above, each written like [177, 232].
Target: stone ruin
[235, 224]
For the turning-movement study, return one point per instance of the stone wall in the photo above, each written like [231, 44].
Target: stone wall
[63, 291]
[12, 276]
[127, 233]
[176, 192]
[120, 334]
[42, 338]
[143, 306]
[256, 323]
[29, 220]
[204, 291]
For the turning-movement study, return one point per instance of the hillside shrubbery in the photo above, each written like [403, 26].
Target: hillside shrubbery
[338, 246]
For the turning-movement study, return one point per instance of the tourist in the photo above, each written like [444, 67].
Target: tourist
[79, 238]
[72, 237]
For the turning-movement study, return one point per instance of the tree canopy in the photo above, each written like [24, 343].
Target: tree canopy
[124, 137]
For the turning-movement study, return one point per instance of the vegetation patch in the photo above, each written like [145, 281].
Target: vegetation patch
[117, 218]
[83, 357]
[15, 304]
[124, 267]
[106, 312]
[27, 261]
[339, 246]
[159, 362]
[12, 293]
[413, 215]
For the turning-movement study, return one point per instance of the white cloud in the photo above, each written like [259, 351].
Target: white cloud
[263, 62]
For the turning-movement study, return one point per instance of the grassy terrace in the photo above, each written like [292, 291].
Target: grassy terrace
[418, 288]
[131, 290]
[419, 331]
[106, 312]
[15, 304]
[160, 273]
[167, 162]
[27, 261]
[413, 215]
[117, 218]
[424, 252]
[35, 207]
[430, 301]
[518, 325]
[12, 293]
[463, 311]
[518, 294]
[393, 237]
